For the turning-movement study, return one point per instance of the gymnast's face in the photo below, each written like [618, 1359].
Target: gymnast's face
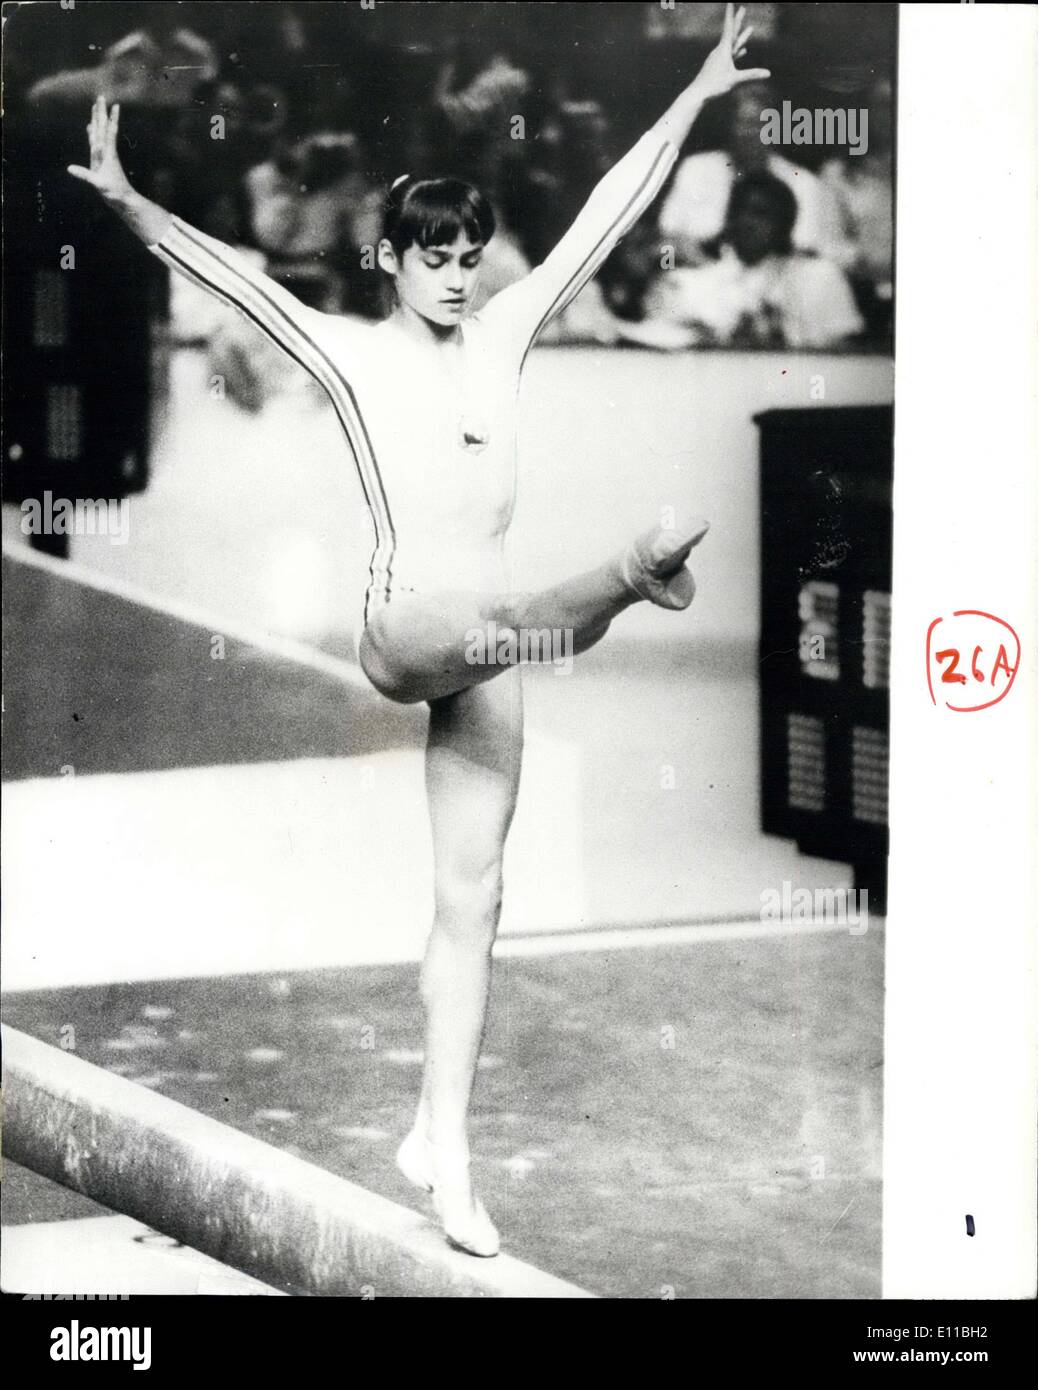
[438, 282]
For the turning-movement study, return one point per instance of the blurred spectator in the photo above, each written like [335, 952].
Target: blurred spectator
[761, 292]
[489, 98]
[312, 210]
[591, 319]
[473, 135]
[693, 212]
[631, 270]
[572, 151]
[862, 189]
[159, 65]
[197, 164]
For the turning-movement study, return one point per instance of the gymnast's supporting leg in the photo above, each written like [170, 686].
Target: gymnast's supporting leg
[420, 648]
[472, 767]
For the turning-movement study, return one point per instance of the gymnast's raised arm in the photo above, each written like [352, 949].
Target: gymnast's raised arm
[717, 76]
[523, 309]
[203, 259]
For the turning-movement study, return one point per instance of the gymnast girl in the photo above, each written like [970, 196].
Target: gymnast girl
[427, 400]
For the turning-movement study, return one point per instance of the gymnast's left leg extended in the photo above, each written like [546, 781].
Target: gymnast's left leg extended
[419, 646]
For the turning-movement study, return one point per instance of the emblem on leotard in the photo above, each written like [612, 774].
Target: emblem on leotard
[473, 435]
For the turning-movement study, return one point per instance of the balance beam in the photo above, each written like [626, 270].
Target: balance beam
[286, 1222]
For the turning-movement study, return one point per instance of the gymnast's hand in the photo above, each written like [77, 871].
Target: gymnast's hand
[106, 173]
[719, 73]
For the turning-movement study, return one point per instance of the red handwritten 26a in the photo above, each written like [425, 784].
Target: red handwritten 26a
[975, 653]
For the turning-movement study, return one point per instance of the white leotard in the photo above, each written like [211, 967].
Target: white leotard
[435, 451]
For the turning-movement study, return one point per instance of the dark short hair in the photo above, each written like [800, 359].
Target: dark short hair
[433, 212]
[782, 198]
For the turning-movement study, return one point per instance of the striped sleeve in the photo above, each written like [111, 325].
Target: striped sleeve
[298, 331]
[232, 278]
[522, 310]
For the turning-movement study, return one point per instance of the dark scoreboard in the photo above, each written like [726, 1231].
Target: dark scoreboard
[826, 560]
[79, 297]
